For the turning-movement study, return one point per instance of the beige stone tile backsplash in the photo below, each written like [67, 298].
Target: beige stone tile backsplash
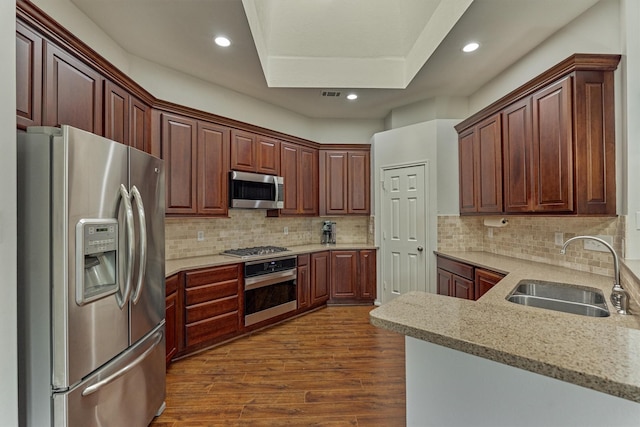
[533, 238]
[250, 227]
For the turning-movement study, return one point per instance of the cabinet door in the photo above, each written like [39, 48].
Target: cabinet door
[72, 92]
[358, 183]
[344, 275]
[172, 320]
[517, 157]
[308, 182]
[28, 77]
[334, 174]
[116, 113]
[488, 151]
[462, 288]
[139, 124]
[552, 148]
[213, 177]
[179, 154]
[319, 277]
[290, 169]
[485, 280]
[444, 279]
[267, 156]
[243, 151]
[367, 276]
[467, 172]
[303, 283]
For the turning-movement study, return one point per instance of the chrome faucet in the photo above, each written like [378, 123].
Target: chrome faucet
[619, 297]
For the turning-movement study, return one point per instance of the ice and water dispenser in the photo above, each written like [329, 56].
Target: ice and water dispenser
[97, 259]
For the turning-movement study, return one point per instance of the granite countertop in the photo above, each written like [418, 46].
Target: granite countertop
[602, 354]
[173, 266]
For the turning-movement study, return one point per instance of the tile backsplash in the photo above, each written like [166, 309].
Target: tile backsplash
[533, 238]
[250, 227]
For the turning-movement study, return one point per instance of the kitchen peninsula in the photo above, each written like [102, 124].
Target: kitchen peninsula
[466, 356]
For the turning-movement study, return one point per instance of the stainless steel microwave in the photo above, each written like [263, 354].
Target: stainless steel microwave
[255, 191]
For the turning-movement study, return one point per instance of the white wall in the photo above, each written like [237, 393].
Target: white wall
[8, 244]
[435, 142]
[428, 109]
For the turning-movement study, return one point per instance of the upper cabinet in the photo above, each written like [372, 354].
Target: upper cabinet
[345, 181]
[196, 156]
[548, 147]
[252, 152]
[126, 118]
[28, 77]
[299, 168]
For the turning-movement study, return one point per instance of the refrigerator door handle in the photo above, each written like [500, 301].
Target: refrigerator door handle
[102, 383]
[124, 194]
[137, 293]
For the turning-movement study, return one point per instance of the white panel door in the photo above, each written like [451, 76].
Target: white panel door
[404, 231]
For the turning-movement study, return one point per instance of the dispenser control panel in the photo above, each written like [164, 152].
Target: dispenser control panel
[100, 237]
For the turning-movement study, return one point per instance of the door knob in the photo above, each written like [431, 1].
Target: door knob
[420, 248]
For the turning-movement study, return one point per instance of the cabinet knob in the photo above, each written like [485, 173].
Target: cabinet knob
[420, 248]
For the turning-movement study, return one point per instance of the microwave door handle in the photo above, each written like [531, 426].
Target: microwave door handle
[128, 221]
[142, 259]
[275, 184]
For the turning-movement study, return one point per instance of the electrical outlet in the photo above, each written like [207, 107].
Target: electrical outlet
[490, 232]
[559, 238]
[286, 230]
[592, 245]
[200, 236]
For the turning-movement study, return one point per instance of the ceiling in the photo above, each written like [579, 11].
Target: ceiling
[287, 52]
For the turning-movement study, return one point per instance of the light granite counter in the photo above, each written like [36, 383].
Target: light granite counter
[602, 354]
[176, 265]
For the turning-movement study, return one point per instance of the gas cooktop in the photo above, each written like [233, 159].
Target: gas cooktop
[255, 251]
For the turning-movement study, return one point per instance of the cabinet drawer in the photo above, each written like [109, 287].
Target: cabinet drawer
[211, 292]
[211, 328]
[212, 275]
[208, 309]
[455, 267]
[303, 259]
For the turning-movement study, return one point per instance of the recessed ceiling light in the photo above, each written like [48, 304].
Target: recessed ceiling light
[470, 47]
[222, 41]
[352, 96]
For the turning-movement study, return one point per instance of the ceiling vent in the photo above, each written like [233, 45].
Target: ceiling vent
[331, 93]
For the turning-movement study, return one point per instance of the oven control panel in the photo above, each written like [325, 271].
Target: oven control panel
[266, 266]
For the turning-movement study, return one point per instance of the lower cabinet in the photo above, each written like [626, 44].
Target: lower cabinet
[319, 285]
[461, 280]
[213, 300]
[171, 316]
[353, 277]
[303, 282]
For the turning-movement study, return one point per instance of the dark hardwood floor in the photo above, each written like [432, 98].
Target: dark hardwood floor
[326, 368]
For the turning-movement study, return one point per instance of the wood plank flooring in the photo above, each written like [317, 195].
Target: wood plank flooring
[326, 368]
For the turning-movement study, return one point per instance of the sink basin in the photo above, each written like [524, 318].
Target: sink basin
[560, 297]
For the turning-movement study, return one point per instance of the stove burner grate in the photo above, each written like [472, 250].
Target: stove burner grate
[255, 251]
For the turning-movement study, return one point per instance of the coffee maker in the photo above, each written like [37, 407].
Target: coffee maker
[328, 233]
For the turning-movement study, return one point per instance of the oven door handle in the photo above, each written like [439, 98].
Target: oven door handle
[269, 279]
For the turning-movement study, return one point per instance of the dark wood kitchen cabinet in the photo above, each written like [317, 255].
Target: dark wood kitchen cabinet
[196, 154]
[213, 305]
[345, 182]
[558, 142]
[72, 91]
[462, 280]
[299, 168]
[126, 118]
[320, 277]
[28, 77]
[252, 152]
[172, 321]
[353, 277]
[480, 167]
[303, 282]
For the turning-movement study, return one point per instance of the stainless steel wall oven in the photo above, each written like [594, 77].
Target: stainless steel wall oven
[270, 288]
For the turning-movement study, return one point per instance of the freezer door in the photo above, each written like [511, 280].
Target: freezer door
[147, 306]
[129, 391]
[87, 172]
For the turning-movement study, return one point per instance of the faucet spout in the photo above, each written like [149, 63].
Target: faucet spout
[619, 297]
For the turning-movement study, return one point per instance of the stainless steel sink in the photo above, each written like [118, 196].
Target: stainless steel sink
[560, 297]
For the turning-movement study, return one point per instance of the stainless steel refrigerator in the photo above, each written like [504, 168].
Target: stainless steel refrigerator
[91, 290]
